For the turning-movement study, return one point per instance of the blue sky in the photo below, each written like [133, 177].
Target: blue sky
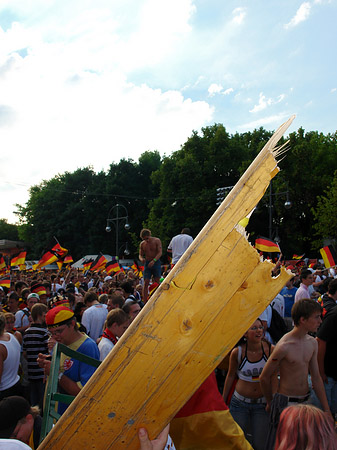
[89, 82]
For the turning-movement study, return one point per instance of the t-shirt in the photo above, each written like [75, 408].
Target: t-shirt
[104, 347]
[289, 298]
[35, 341]
[78, 371]
[93, 319]
[328, 332]
[178, 245]
[22, 318]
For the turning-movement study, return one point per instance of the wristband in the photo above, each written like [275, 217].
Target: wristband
[60, 376]
[154, 259]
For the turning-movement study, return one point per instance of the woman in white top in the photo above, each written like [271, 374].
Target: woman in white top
[10, 351]
[248, 405]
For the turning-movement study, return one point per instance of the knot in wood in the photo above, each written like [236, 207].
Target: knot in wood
[209, 284]
[187, 325]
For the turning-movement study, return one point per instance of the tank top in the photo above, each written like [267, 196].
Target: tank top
[250, 371]
[11, 364]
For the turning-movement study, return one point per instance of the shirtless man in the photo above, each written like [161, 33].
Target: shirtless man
[293, 357]
[150, 251]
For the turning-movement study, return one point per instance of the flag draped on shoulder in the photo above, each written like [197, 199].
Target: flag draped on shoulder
[112, 266]
[205, 422]
[266, 245]
[18, 259]
[329, 256]
[99, 263]
[53, 253]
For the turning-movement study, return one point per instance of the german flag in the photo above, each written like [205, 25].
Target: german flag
[47, 258]
[206, 423]
[2, 263]
[87, 263]
[329, 256]
[112, 266]
[266, 245]
[298, 256]
[68, 259]
[56, 248]
[137, 269]
[53, 252]
[18, 259]
[5, 281]
[99, 263]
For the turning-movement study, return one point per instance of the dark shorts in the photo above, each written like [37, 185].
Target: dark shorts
[155, 270]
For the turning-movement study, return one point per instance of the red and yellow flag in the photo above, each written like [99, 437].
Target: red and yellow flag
[5, 281]
[298, 256]
[205, 422]
[99, 263]
[54, 252]
[266, 245]
[18, 259]
[2, 263]
[112, 266]
[329, 256]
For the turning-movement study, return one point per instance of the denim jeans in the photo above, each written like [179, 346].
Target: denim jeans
[253, 419]
[331, 395]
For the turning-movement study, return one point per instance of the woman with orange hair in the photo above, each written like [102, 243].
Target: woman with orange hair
[305, 427]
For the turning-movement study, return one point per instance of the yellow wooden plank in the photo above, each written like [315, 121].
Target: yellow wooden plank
[196, 316]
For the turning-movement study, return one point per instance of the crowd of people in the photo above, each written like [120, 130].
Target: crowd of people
[287, 386]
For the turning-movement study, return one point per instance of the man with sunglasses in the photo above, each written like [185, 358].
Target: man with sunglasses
[73, 374]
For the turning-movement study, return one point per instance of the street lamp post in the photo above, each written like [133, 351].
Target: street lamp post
[116, 216]
[287, 205]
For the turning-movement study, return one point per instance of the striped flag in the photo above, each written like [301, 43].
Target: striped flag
[5, 281]
[53, 253]
[298, 256]
[329, 256]
[99, 263]
[87, 263]
[2, 263]
[266, 245]
[18, 259]
[112, 266]
[206, 423]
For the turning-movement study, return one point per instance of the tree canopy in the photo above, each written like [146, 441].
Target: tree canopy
[179, 190]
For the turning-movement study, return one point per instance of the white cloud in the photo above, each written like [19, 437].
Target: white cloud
[214, 89]
[270, 120]
[301, 15]
[227, 91]
[68, 102]
[239, 15]
[264, 102]
[333, 90]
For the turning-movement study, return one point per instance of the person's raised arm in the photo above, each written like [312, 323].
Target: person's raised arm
[231, 374]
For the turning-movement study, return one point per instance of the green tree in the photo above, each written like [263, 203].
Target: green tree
[324, 214]
[8, 230]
